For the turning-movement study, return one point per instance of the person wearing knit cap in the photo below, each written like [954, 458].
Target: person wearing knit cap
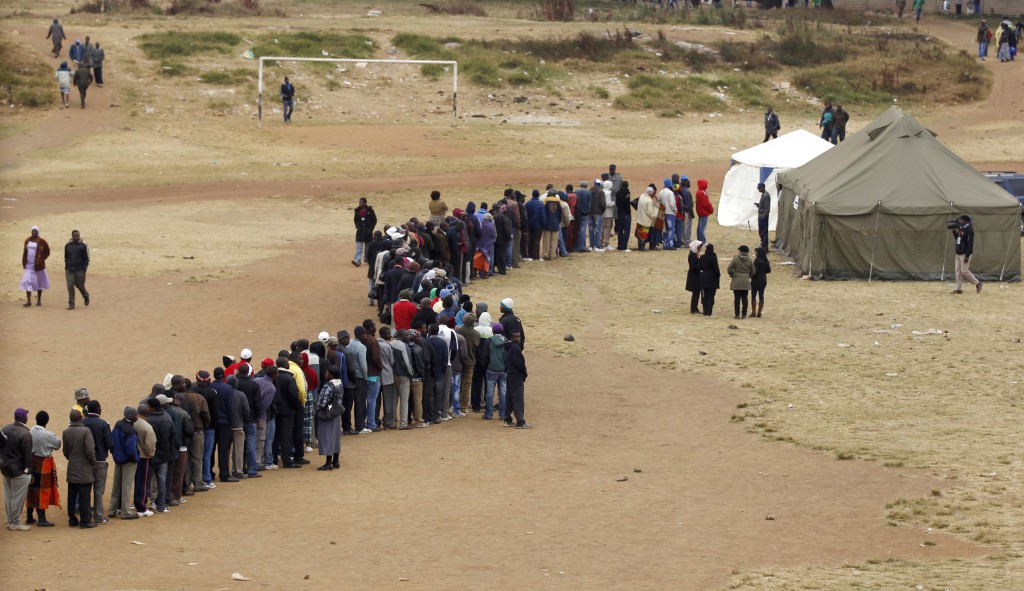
[100, 430]
[16, 468]
[203, 387]
[515, 368]
[469, 341]
[510, 322]
[740, 269]
[710, 276]
[125, 450]
[494, 375]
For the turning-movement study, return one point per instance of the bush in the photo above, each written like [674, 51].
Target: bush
[226, 77]
[467, 7]
[176, 44]
[669, 97]
[172, 69]
[313, 44]
[25, 81]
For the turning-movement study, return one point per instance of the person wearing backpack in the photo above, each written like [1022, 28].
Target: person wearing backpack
[126, 460]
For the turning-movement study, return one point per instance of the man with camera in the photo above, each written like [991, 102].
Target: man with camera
[963, 231]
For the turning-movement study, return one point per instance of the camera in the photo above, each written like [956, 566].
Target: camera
[952, 224]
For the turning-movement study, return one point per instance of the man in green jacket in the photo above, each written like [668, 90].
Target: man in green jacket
[82, 79]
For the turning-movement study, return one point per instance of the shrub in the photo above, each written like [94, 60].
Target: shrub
[171, 44]
[226, 77]
[172, 69]
[24, 81]
[313, 44]
[466, 7]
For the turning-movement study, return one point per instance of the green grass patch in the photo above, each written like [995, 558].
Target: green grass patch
[673, 96]
[173, 69]
[229, 77]
[313, 44]
[24, 80]
[483, 63]
[177, 44]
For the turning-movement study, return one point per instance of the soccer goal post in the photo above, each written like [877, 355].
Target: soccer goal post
[453, 64]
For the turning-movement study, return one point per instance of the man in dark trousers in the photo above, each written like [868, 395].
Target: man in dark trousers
[515, 366]
[225, 437]
[202, 387]
[82, 79]
[963, 232]
[433, 391]
[80, 452]
[288, 99]
[76, 263]
[288, 393]
[510, 322]
[104, 442]
[771, 125]
[16, 467]
[764, 209]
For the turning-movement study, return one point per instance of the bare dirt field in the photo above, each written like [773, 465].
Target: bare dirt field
[759, 453]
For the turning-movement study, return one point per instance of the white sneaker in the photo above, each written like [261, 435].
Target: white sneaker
[598, 250]
[365, 431]
[211, 484]
[271, 467]
[146, 513]
[627, 250]
[308, 449]
[528, 260]
[446, 418]
[164, 510]
[18, 527]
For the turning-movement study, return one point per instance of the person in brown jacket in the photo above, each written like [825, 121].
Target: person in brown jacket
[199, 410]
[33, 261]
[147, 447]
[472, 337]
[80, 452]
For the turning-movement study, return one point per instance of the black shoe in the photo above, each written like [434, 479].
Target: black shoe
[325, 467]
[72, 523]
[291, 466]
[30, 521]
[44, 523]
[230, 479]
[86, 300]
[257, 475]
[337, 466]
[89, 525]
[302, 461]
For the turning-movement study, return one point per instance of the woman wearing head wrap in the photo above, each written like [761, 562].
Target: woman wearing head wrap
[693, 275]
[64, 82]
[759, 281]
[709, 278]
[33, 260]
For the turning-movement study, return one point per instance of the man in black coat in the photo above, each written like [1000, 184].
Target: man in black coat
[166, 451]
[76, 263]
[365, 220]
[515, 366]
[288, 391]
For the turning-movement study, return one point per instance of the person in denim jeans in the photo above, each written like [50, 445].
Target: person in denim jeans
[495, 373]
[583, 205]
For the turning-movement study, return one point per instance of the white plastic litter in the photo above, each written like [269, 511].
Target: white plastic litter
[239, 577]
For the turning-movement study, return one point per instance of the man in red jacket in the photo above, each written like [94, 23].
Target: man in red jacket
[704, 209]
[403, 311]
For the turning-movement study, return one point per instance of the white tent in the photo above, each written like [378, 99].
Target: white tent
[760, 164]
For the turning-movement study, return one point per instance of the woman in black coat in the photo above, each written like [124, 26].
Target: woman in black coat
[693, 275]
[759, 280]
[709, 278]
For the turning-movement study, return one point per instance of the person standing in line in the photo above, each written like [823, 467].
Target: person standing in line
[365, 220]
[16, 468]
[329, 405]
[704, 210]
[80, 452]
[771, 125]
[33, 260]
[57, 36]
[687, 200]
[583, 205]
[199, 412]
[667, 197]
[437, 207]
[764, 210]
[43, 490]
[102, 442]
[710, 275]
[166, 450]
[515, 367]
[64, 75]
[403, 371]
[693, 275]
[98, 55]
[82, 79]
[126, 461]
[839, 120]
[963, 231]
[287, 99]
[266, 425]
[496, 376]
[646, 212]
[624, 219]
[759, 281]
[147, 448]
[250, 420]
[741, 267]
[202, 387]
[76, 263]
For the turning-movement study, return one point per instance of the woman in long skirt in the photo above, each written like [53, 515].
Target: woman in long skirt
[329, 407]
[33, 260]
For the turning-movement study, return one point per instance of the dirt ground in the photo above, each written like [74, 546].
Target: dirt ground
[209, 236]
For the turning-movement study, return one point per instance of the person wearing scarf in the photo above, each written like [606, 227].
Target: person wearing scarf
[43, 491]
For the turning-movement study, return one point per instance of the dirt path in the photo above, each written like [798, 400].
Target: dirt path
[479, 502]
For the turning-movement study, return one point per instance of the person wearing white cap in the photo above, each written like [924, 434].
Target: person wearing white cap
[244, 357]
[510, 322]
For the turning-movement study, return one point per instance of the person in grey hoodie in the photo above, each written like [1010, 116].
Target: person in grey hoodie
[740, 269]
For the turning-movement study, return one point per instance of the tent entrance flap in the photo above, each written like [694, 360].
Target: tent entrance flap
[766, 171]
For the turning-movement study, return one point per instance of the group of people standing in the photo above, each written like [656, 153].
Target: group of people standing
[87, 58]
[746, 276]
[1006, 37]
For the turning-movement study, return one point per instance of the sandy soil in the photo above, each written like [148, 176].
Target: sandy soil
[466, 503]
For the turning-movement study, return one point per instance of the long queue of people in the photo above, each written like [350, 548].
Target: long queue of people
[427, 365]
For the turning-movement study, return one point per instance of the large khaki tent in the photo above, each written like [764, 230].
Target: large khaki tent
[876, 207]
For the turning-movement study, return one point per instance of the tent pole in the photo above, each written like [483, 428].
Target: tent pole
[874, 239]
[1009, 245]
[810, 248]
[945, 247]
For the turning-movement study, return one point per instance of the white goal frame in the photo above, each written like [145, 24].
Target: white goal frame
[454, 64]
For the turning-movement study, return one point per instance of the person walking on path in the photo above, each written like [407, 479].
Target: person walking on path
[710, 275]
[287, 99]
[82, 79]
[97, 57]
[16, 467]
[963, 231]
[43, 490]
[771, 125]
[76, 53]
[365, 220]
[741, 267]
[764, 210]
[80, 452]
[759, 281]
[33, 260]
[57, 36]
[76, 263]
[693, 275]
[64, 75]
[918, 7]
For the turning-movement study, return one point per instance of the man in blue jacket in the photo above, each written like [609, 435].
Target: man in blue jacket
[126, 460]
[535, 223]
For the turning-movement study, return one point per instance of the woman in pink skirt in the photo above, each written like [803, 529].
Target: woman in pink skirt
[33, 260]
